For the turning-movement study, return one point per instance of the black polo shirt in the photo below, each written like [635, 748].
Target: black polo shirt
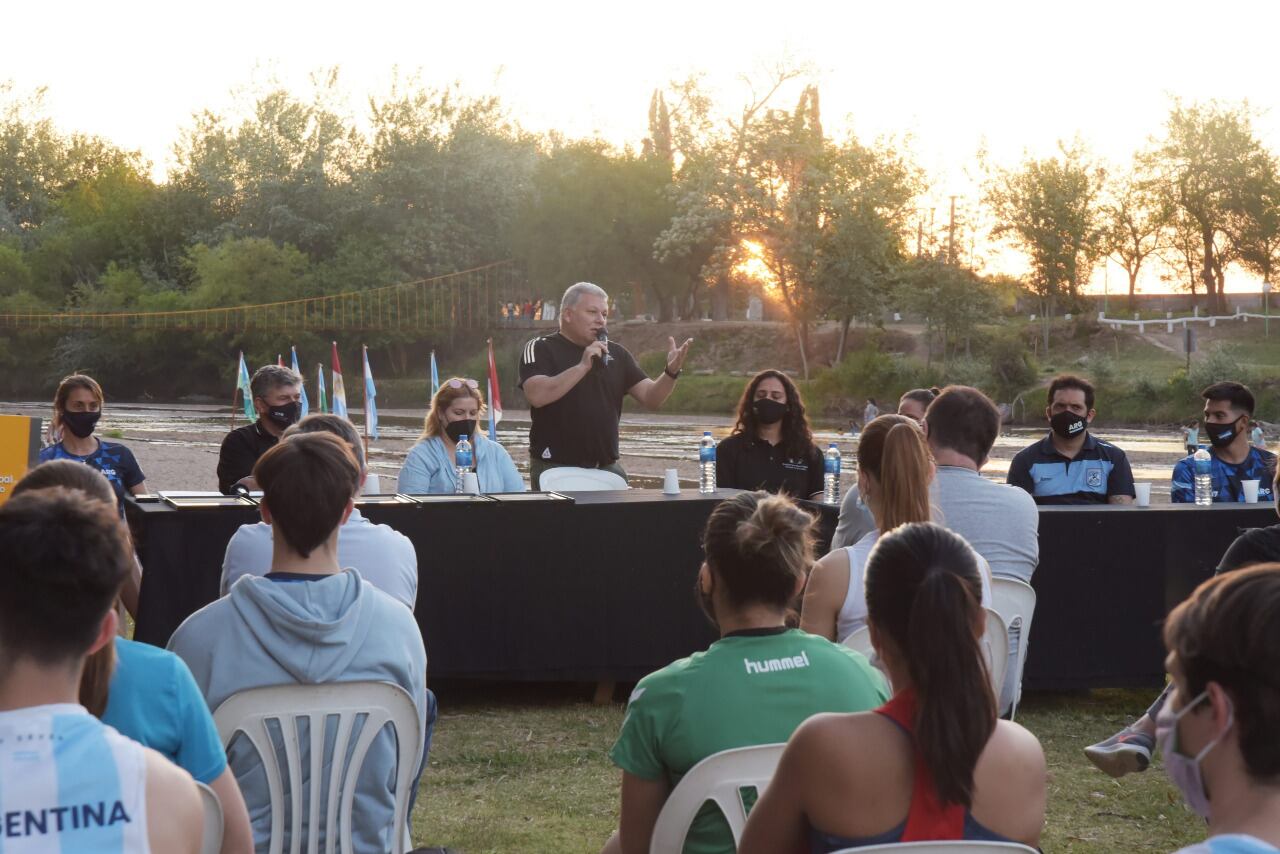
[1099, 471]
[744, 462]
[240, 450]
[581, 428]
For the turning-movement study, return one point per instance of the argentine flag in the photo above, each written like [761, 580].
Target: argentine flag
[246, 392]
[339, 390]
[306, 406]
[435, 376]
[370, 404]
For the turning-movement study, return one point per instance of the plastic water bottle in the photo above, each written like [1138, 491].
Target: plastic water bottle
[462, 460]
[707, 463]
[831, 475]
[1203, 465]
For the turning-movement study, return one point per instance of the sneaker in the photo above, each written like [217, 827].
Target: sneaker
[1124, 753]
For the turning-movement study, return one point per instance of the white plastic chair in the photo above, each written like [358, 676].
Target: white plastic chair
[249, 712]
[570, 479]
[995, 647]
[1015, 601]
[718, 778]
[211, 836]
[953, 847]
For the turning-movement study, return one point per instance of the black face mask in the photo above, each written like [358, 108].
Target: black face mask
[286, 414]
[81, 423]
[1068, 425]
[1221, 435]
[455, 430]
[768, 411]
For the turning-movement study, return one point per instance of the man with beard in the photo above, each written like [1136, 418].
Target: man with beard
[1071, 465]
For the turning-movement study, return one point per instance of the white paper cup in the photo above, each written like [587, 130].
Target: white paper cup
[471, 483]
[1143, 498]
[670, 482]
[1250, 488]
[372, 485]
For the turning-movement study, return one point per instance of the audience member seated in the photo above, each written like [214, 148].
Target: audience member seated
[1218, 731]
[1130, 750]
[431, 465]
[1071, 465]
[934, 763]
[894, 471]
[147, 693]
[914, 403]
[308, 621]
[771, 446]
[277, 398]
[383, 556]
[735, 693]
[71, 783]
[1228, 408]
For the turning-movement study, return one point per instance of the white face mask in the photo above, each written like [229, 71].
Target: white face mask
[1185, 771]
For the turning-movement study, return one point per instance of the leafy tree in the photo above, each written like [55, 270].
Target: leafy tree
[1134, 222]
[1202, 166]
[952, 299]
[1049, 209]
[1254, 223]
[246, 271]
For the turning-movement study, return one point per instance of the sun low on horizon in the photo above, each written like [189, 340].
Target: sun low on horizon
[948, 80]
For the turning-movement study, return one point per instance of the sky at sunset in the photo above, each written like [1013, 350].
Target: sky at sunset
[1015, 77]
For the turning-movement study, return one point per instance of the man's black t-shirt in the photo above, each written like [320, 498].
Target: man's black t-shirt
[240, 450]
[1256, 545]
[581, 428]
[752, 463]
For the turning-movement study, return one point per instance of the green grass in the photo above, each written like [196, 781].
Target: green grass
[526, 769]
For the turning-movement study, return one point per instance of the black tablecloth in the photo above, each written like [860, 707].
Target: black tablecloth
[602, 589]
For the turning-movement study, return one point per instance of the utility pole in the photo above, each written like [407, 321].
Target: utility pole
[919, 236]
[951, 234]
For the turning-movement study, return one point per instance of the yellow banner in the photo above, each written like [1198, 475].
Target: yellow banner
[19, 450]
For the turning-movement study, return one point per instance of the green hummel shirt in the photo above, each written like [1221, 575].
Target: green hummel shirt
[748, 688]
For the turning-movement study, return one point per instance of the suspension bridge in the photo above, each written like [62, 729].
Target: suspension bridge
[478, 298]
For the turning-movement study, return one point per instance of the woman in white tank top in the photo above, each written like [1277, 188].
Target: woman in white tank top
[894, 473]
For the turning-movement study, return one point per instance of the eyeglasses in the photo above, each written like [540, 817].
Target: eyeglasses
[459, 384]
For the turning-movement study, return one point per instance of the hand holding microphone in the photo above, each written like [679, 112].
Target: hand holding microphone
[603, 337]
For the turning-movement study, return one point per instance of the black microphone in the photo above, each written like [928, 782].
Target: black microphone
[603, 335]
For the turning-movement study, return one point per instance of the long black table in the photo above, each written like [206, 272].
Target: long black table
[602, 589]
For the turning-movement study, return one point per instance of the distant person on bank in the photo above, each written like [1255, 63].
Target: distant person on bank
[1228, 408]
[431, 466]
[1256, 438]
[1071, 465]
[575, 384]
[1191, 437]
[77, 406]
[869, 412]
[277, 398]
[771, 446]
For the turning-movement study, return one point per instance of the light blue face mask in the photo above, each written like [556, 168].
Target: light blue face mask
[1183, 770]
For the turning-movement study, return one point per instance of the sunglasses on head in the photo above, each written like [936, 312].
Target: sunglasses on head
[461, 383]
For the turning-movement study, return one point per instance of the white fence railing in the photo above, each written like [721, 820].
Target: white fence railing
[1170, 321]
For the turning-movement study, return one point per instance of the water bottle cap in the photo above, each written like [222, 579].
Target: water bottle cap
[706, 432]
[832, 445]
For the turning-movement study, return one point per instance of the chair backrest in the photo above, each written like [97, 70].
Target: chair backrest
[1015, 601]
[956, 847]
[570, 479]
[253, 712]
[211, 837]
[718, 778]
[995, 647]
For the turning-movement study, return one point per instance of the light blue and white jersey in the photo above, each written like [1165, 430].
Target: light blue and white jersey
[69, 784]
[1231, 843]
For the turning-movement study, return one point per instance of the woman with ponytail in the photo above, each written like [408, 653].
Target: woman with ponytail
[753, 686]
[934, 763]
[894, 473]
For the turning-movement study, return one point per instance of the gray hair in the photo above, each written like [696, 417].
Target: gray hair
[335, 424]
[575, 292]
[270, 377]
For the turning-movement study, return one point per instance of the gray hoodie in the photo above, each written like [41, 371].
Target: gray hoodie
[336, 628]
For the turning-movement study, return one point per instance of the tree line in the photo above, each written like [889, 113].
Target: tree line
[298, 199]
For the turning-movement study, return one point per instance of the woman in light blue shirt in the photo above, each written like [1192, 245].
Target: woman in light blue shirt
[430, 466]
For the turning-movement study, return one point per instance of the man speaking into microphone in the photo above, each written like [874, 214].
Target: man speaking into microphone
[575, 380]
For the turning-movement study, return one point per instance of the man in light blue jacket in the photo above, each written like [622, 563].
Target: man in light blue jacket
[308, 621]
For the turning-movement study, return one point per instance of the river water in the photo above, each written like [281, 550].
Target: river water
[177, 444]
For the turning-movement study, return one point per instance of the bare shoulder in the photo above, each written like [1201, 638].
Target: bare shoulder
[175, 816]
[1015, 757]
[833, 565]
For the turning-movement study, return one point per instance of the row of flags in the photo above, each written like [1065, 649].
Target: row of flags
[339, 406]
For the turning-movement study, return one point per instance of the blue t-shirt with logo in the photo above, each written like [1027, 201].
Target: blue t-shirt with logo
[115, 461]
[1260, 465]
